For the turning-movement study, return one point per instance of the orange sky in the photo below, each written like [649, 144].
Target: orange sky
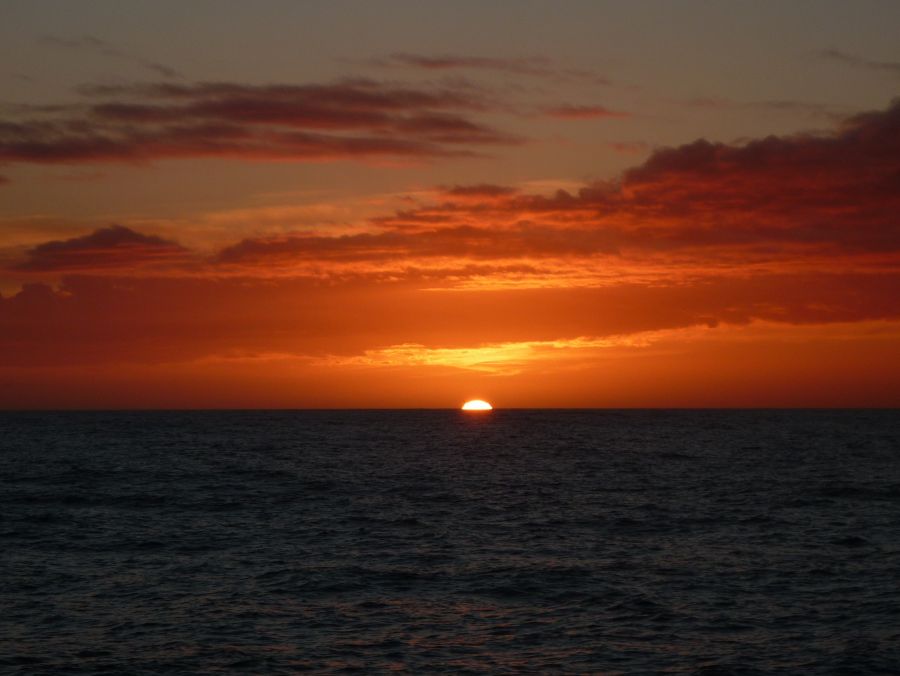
[414, 227]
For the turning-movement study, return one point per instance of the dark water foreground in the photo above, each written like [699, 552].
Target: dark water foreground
[518, 541]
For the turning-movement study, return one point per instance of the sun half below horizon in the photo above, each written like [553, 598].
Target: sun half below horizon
[565, 209]
[477, 405]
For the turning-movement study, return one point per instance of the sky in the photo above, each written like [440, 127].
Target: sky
[411, 204]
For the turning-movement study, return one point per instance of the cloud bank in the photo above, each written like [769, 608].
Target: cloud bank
[791, 231]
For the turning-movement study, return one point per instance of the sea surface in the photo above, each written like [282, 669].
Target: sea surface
[518, 541]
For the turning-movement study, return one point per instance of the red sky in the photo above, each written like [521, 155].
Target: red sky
[426, 227]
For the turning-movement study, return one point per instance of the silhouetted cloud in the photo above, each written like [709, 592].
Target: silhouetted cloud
[891, 67]
[778, 199]
[113, 247]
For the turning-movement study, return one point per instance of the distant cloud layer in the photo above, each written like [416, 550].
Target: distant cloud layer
[777, 198]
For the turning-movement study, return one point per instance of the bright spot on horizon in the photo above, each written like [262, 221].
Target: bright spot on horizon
[477, 405]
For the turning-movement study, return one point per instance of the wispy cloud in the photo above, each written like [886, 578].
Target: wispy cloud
[572, 112]
[774, 105]
[891, 67]
[533, 66]
[89, 43]
[495, 358]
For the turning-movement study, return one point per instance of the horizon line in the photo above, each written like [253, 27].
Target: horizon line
[239, 409]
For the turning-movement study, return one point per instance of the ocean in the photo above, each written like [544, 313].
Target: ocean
[428, 541]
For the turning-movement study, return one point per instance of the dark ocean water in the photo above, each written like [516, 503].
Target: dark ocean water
[710, 542]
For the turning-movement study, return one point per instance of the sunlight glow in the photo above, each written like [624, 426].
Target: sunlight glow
[477, 405]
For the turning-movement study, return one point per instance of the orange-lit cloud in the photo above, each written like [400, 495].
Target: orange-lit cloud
[699, 241]
[103, 319]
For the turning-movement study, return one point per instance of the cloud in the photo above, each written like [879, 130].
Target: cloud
[111, 248]
[535, 66]
[89, 43]
[495, 358]
[522, 65]
[347, 120]
[569, 112]
[829, 194]
[524, 241]
[845, 179]
[891, 67]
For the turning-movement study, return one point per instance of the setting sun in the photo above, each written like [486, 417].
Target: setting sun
[477, 405]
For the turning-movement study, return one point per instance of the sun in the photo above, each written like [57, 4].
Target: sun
[477, 405]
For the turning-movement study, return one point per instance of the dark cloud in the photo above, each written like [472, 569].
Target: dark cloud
[862, 157]
[113, 247]
[352, 119]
